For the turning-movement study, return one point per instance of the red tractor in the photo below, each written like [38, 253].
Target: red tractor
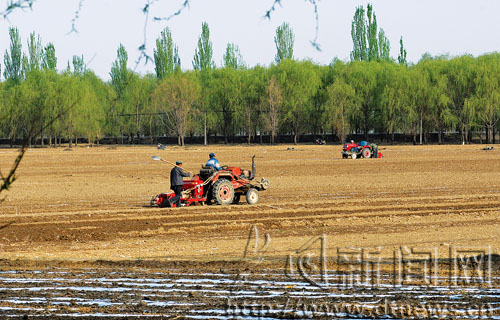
[363, 149]
[223, 187]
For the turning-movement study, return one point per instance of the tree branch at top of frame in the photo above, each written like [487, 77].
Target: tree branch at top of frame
[14, 5]
[314, 3]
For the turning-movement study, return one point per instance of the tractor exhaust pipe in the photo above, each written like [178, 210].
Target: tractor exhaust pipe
[252, 175]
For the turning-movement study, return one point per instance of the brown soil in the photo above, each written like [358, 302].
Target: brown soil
[92, 203]
[77, 235]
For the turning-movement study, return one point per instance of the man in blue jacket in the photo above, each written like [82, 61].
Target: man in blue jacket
[212, 162]
[176, 183]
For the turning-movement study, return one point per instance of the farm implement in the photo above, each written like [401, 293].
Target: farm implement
[363, 149]
[222, 187]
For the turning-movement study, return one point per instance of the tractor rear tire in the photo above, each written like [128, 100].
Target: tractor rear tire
[252, 196]
[223, 192]
[367, 153]
[354, 155]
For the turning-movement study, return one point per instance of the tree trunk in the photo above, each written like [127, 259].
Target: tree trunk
[421, 125]
[70, 142]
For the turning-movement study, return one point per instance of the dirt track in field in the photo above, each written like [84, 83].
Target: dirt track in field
[78, 238]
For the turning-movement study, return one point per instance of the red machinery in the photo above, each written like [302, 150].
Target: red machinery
[364, 149]
[221, 187]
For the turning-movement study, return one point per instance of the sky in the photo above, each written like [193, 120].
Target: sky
[453, 27]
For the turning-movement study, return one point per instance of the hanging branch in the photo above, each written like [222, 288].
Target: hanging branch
[178, 12]
[75, 18]
[314, 42]
[19, 4]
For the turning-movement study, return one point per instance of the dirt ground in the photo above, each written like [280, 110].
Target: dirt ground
[78, 238]
[93, 203]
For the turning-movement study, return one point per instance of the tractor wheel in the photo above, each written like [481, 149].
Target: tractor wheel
[223, 192]
[354, 155]
[265, 184]
[252, 196]
[367, 153]
[236, 199]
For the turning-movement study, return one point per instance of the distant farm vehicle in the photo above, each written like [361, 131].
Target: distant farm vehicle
[223, 187]
[320, 141]
[363, 149]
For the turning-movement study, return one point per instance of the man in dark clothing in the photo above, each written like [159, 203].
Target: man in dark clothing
[176, 182]
[374, 149]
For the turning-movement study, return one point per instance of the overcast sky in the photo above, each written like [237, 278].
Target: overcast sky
[450, 27]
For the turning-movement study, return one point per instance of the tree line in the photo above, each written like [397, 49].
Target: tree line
[372, 93]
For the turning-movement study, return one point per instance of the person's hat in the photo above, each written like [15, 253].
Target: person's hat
[211, 155]
[178, 162]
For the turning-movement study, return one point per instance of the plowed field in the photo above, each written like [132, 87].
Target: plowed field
[75, 209]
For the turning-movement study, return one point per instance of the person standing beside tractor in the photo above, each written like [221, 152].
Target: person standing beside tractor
[176, 183]
[374, 149]
[213, 162]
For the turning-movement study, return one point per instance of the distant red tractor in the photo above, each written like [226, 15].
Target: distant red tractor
[223, 187]
[363, 149]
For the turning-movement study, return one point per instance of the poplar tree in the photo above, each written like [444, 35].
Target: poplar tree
[358, 35]
[369, 42]
[35, 53]
[166, 55]
[202, 59]
[232, 58]
[284, 40]
[79, 67]
[402, 53]
[13, 58]
[49, 61]
[119, 74]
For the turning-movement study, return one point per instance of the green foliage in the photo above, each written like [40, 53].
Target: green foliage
[359, 36]
[79, 67]
[402, 53]
[232, 58]
[166, 55]
[175, 98]
[299, 82]
[202, 59]
[369, 42]
[13, 60]
[49, 57]
[437, 95]
[284, 40]
[225, 97]
[35, 53]
[339, 106]
[119, 72]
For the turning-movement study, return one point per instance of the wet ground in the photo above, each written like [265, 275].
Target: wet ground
[221, 291]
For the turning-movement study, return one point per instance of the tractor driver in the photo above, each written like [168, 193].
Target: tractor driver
[176, 183]
[213, 162]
